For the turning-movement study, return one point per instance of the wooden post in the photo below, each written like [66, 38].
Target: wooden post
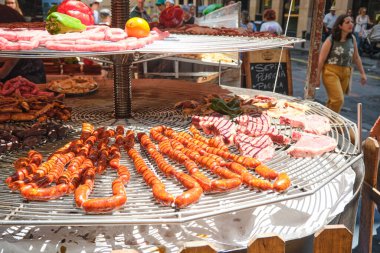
[333, 239]
[367, 211]
[315, 44]
[247, 70]
[265, 244]
[198, 247]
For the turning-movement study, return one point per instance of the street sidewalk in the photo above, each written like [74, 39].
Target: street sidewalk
[371, 65]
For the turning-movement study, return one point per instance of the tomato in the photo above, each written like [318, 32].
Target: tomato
[88, 61]
[137, 27]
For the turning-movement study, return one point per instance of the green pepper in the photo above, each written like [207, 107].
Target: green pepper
[234, 103]
[52, 9]
[61, 23]
[232, 108]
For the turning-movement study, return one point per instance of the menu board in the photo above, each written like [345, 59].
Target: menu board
[261, 70]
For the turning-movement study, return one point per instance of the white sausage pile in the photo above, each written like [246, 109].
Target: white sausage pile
[95, 38]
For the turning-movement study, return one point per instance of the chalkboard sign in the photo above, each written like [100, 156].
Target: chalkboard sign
[261, 69]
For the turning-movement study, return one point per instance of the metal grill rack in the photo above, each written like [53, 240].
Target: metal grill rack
[122, 60]
[307, 175]
[175, 43]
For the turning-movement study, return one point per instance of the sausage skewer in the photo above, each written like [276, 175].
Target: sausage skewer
[194, 191]
[220, 185]
[158, 188]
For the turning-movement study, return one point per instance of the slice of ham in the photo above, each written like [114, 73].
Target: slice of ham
[205, 122]
[311, 145]
[261, 147]
[218, 126]
[312, 123]
[258, 126]
[262, 119]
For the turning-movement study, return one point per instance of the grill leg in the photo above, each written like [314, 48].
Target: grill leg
[122, 87]
[122, 69]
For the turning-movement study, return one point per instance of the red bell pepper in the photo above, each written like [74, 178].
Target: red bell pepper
[171, 17]
[78, 10]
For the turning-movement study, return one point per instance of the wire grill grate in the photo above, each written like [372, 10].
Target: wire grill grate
[308, 175]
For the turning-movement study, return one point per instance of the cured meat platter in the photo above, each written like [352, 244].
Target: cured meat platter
[74, 86]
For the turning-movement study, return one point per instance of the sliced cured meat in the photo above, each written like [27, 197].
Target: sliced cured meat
[258, 126]
[226, 129]
[312, 123]
[217, 126]
[205, 122]
[261, 147]
[311, 145]
[262, 119]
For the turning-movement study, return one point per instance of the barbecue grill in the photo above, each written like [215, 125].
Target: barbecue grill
[308, 175]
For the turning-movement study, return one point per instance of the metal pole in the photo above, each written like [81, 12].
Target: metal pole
[360, 128]
[122, 69]
[315, 45]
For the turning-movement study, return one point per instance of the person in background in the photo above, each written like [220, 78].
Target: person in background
[246, 22]
[31, 69]
[349, 13]
[94, 4]
[335, 60]
[169, 3]
[193, 10]
[14, 5]
[230, 2]
[328, 22]
[187, 17]
[374, 35]
[139, 11]
[269, 24]
[160, 5]
[105, 17]
[361, 23]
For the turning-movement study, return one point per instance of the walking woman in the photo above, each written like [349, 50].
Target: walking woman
[361, 25]
[335, 61]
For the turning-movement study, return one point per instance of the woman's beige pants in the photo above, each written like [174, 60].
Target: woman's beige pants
[336, 80]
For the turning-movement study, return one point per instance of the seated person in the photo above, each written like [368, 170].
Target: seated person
[31, 69]
[160, 5]
[139, 11]
[246, 22]
[105, 17]
[187, 17]
[374, 35]
[169, 3]
[270, 24]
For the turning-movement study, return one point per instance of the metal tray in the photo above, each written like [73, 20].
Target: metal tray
[173, 44]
